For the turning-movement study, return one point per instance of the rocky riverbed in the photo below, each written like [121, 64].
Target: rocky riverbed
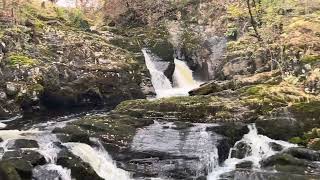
[169, 90]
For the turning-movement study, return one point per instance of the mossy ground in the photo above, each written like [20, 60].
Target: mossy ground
[21, 60]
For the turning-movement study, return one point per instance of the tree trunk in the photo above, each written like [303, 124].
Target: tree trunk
[253, 21]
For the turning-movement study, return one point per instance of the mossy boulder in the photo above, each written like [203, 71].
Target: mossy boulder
[22, 167]
[8, 171]
[115, 131]
[287, 163]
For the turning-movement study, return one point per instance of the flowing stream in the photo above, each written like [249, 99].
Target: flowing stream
[98, 158]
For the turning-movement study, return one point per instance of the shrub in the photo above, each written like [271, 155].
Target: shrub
[77, 20]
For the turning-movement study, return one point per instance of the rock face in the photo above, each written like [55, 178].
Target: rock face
[66, 69]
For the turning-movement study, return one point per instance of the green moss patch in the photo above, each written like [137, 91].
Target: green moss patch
[21, 60]
[310, 59]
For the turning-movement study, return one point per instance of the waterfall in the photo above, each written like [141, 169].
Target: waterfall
[159, 81]
[182, 77]
[99, 160]
[260, 149]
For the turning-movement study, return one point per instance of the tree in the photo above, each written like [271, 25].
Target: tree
[252, 19]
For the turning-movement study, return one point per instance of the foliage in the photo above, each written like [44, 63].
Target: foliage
[77, 19]
[310, 139]
[234, 11]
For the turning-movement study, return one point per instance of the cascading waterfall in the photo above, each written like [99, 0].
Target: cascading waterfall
[260, 149]
[99, 160]
[182, 77]
[159, 81]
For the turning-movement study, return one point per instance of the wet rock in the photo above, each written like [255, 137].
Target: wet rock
[22, 167]
[284, 162]
[113, 130]
[275, 146]
[12, 89]
[233, 131]
[79, 169]
[8, 171]
[303, 153]
[243, 174]
[34, 157]
[73, 134]
[22, 143]
[182, 125]
[244, 165]
[212, 87]
[286, 127]
[3, 96]
[241, 150]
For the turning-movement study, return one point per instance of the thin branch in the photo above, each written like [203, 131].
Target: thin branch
[253, 22]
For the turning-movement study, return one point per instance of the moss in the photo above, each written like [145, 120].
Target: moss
[191, 109]
[296, 140]
[310, 59]
[39, 25]
[310, 108]
[266, 97]
[78, 20]
[36, 87]
[8, 171]
[21, 60]
[134, 39]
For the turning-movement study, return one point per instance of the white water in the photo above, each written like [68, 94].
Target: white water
[260, 150]
[99, 160]
[159, 81]
[182, 78]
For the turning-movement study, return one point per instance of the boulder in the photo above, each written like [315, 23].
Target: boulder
[275, 146]
[34, 157]
[22, 167]
[8, 171]
[22, 143]
[240, 150]
[74, 134]
[303, 153]
[79, 169]
[12, 89]
[284, 162]
[244, 165]
[245, 174]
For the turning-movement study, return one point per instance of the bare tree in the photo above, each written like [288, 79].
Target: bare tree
[252, 19]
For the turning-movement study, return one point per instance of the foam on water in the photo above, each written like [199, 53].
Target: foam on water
[260, 149]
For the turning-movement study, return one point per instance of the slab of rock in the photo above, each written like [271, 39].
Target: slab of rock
[34, 157]
[22, 143]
